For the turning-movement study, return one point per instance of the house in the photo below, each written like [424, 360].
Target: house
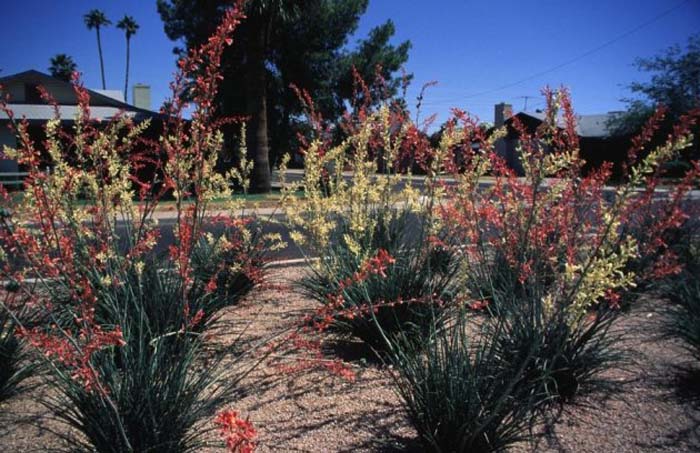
[25, 102]
[598, 143]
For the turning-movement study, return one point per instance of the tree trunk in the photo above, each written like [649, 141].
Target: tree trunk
[102, 65]
[257, 109]
[126, 77]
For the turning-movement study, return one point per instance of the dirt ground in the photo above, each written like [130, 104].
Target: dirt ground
[654, 407]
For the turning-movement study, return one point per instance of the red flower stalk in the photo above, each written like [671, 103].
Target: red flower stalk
[306, 344]
[74, 352]
[188, 150]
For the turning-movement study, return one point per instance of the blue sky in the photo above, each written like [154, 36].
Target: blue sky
[471, 48]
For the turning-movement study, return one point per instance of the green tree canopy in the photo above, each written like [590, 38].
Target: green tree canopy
[305, 42]
[674, 83]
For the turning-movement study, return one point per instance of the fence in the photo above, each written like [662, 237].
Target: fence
[12, 179]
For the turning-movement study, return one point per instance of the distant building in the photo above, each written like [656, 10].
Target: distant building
[25, 102]
[597, 142]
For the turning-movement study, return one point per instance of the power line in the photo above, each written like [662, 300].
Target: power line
[486, 101]
[583, 55]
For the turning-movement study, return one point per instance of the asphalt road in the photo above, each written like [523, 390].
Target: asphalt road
[165, 225]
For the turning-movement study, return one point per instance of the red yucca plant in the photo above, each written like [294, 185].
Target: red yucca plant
[551, 252]
[302, 349]
[553, 217]
[348, 220]
[117, 326]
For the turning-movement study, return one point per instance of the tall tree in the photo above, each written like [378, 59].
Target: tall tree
[263, 17]
[130, 27]
[315, 66]
[62, 67]
[302, 42]
[96, 19]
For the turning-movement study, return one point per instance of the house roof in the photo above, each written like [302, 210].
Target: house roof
[590, 126]
[43, 112]
[104, 104]
[114, 94]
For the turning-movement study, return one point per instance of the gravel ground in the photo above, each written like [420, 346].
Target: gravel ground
[654, 407]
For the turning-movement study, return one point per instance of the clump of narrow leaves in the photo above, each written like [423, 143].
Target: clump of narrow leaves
[566, 359]
[159, 396]
[460, 394]
[358, 202]
[15, 367]
[405, 297]
[551, 252]
[682, 307]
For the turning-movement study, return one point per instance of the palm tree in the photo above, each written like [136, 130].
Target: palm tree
[130, 27]
[97, 19]
[62, 67]
[262, 15]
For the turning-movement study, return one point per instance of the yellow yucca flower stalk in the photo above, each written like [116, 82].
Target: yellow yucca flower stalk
[332, 195]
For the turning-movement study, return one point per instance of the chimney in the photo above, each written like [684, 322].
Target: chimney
[141, 97]
[502, 112]
[504, 146]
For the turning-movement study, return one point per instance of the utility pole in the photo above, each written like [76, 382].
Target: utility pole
[526, 98]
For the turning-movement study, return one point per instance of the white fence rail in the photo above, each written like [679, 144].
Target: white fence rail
[12, 179]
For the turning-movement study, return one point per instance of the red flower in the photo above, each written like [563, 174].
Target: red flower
[239, 434]
[211, 285]
[378, 264]
[479, 305]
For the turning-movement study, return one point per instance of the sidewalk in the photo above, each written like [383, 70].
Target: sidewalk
[172, 214]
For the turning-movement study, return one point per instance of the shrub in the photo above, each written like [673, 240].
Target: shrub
[120, 329]
[156, 390]
[550, 253]
[219, 279]
[460, 395]
[346, 219]
[230, 264]
[568, 357]
[419, 279]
